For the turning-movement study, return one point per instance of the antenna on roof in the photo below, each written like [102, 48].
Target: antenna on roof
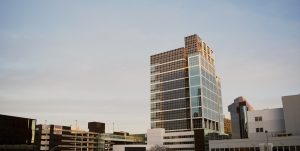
[113, 127]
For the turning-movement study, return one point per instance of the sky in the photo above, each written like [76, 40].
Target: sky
[62, 61]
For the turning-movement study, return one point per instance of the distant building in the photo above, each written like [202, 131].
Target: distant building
[227, 126]
[96, 127]
[64, 138]
[106, 141]
[159, 137]
[17, 133]
[239, 122]
[269, 130]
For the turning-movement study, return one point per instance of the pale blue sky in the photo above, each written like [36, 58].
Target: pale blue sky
[63, 61]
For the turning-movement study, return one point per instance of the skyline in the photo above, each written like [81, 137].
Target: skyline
[86, 61]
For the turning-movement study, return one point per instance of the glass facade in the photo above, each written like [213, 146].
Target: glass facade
[204, 92]
[185, 91]
[170, 104]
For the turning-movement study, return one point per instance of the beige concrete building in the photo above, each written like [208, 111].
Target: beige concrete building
[227, 126]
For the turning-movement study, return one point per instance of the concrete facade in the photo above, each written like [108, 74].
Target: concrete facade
[269, 130]
[271, 120]
[291, 108]
[291, 143]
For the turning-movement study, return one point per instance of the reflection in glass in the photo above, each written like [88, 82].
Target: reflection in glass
[196, 101]
[195, 91]
[196, 112]
[195, 81]
[194, 71]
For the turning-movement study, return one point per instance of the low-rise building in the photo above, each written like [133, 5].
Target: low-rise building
[183, 140]
[268, 130]
[17, 133]
[227, 126]
[106, 141]
[64, 138]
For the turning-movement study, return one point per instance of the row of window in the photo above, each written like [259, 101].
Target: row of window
[171, 115]
[186, 149]
[274, 148]
[181, 83]
[169, 76]
[207, 66]
[194, 61]
[169, 105]
[168, 56]
[172, 125]
[170, 95]
[197, 112]
[210, 95]
[168, 67]
[195, 81]
[208, 76]
[181, 136]
[197, 123]
[176, 143]
[210, 114]
[210, 104]
[209, 85]
[196, 101]
[259, 130]
[195, 91]
[258, 118]
[193, 48]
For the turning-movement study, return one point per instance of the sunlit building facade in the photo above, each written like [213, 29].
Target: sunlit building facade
[186, 93]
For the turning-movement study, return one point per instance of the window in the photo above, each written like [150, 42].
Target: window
[259, 130]
[195, 91]
[196, 112]
[194, 71]
[258, 118]
[194, 81]
[196, 101]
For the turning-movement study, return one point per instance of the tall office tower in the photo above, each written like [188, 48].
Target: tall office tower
[186, 95]
[239, 121]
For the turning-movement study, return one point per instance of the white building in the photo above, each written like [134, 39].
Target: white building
[179, 140]
[270, 120]
[279, 128]
[291, 105]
